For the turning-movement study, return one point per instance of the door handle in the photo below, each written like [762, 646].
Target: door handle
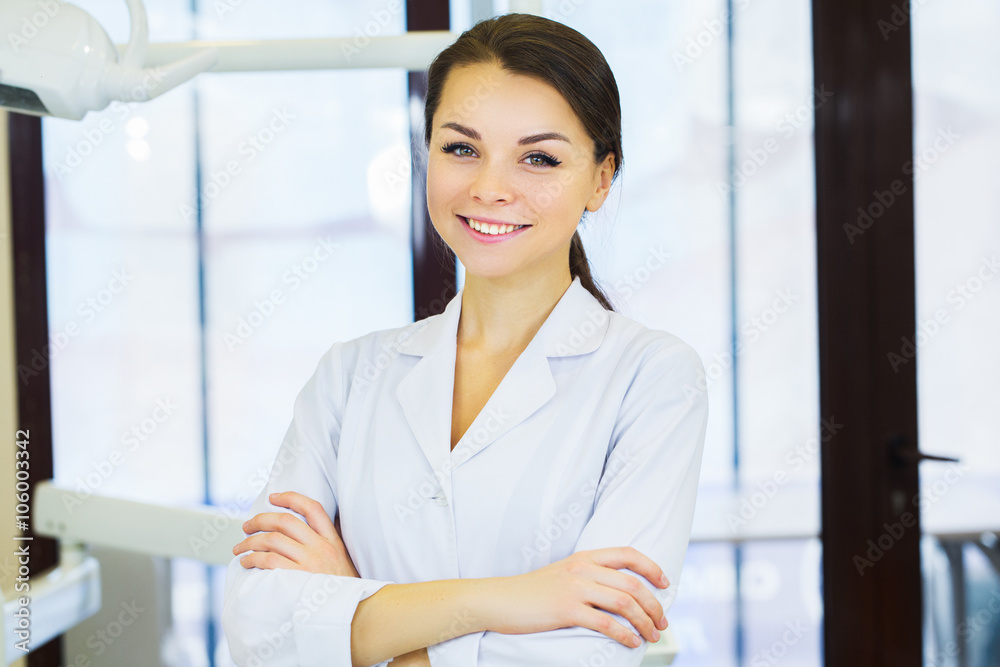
[902, 453]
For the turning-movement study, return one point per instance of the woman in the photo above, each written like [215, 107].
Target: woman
[548, 529]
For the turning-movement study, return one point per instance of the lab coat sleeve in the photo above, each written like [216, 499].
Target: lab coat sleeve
[645, 499]
[292, 618]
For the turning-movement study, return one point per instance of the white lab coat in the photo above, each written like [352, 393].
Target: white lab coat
[593, 439]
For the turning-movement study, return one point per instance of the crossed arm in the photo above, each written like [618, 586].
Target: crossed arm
[581, 598]
[567, 593]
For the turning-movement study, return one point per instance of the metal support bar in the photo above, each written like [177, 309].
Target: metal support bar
[410, 51]
[207, 534]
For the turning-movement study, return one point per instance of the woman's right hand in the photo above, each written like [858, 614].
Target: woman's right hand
[573, 591]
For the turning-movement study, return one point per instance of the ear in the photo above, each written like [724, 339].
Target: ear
[602, 183]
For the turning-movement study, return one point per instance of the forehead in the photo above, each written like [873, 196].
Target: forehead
[499, 103]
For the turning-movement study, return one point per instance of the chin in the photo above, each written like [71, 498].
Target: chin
[488, 270]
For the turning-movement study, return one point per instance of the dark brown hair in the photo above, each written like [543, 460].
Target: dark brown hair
[555, 54]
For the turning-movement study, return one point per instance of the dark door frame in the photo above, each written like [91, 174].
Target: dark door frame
[31, 333]
[873, 609]
[435, 276]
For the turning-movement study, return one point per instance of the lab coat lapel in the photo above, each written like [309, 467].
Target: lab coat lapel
[576, 325]
[425, 392]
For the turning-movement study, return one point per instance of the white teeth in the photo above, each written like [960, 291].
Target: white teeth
[484, 228]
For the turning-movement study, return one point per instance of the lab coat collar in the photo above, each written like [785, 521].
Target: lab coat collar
[576, 325]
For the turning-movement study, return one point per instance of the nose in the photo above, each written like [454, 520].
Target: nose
[492, 183]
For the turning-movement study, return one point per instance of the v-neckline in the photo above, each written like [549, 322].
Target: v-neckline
[455, 370]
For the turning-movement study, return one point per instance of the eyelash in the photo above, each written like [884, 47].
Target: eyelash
[549, 160]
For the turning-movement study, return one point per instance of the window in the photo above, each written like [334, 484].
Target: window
[204, 250]
[956, 107]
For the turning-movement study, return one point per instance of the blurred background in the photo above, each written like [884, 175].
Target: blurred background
[166, 263]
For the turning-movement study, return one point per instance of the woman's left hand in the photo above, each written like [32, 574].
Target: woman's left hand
[280, 540]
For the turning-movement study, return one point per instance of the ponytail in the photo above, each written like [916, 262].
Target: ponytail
[580, 267]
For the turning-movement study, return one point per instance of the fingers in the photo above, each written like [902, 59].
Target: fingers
[283, 522]
[313, 511]
[594, 619]
[633, 559]
[623, 601]
[288, 536]
[645, 612]
[272, 542]
[267, 560]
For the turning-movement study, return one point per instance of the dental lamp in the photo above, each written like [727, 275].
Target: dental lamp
[57, 60]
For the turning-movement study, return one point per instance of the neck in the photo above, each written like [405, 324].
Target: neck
[501, 315]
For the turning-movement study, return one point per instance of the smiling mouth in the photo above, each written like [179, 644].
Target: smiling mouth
[491, 228]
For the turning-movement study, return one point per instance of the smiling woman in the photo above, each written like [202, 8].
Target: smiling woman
[504, 168]
[552, 104]
[563, 504]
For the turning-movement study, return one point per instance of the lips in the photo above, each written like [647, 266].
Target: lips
[496, 236]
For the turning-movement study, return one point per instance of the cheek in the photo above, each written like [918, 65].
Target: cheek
[556, 197]
[442, 183]
[435, 184]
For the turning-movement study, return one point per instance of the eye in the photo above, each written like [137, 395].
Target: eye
[537, 159]
[458, 146]
[543, 160]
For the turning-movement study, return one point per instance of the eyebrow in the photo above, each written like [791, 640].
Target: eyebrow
[523, 141]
